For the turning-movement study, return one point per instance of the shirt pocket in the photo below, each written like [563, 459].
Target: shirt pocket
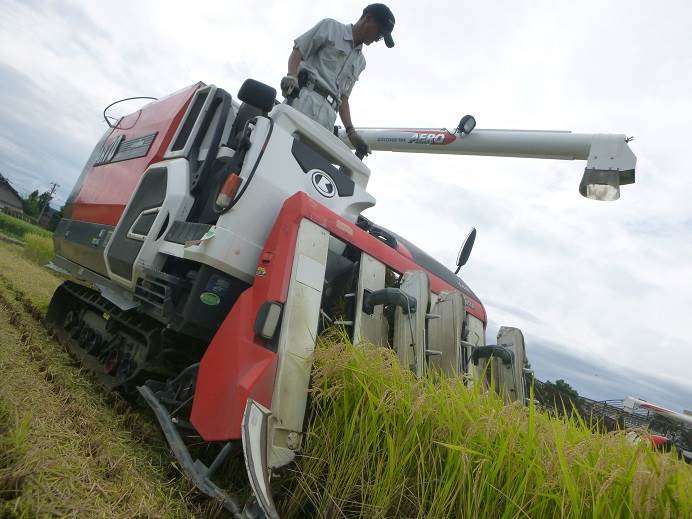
[349, 78]
[332, 58]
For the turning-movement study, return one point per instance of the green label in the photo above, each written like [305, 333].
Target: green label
[209, 298]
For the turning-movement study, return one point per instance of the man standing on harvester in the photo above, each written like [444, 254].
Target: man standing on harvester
[325, 64]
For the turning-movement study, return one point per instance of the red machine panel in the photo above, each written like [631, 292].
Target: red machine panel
[237, 365]
[139, 140]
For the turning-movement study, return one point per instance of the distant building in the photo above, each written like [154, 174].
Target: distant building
[687, 412]
[10, 201]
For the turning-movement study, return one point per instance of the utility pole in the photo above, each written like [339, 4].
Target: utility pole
[53, 187]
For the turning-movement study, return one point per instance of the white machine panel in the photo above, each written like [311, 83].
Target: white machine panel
[297, 343]
[270, 176]
[176, 206]
[409, 329]
[512, 379]
[369, 328]
[444, 332]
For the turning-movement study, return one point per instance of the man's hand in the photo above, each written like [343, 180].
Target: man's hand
[358, 143]
[289, 86]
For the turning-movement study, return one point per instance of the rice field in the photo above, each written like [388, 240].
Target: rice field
[17, 228]
[379, 442]
[384, 444]
[38, 248]
[68, 448]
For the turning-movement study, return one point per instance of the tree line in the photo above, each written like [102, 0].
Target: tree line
[36, 202]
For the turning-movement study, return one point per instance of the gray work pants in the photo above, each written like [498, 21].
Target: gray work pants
[315, 107]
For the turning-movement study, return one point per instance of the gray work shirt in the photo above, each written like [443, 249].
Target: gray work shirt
[329, 55]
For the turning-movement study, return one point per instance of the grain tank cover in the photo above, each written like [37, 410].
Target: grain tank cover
[122, 156]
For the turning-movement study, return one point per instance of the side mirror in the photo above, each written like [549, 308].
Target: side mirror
[465, 250]
[257, 94]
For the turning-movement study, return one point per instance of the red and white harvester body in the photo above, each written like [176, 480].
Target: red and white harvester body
[209, 242]
[677, 427]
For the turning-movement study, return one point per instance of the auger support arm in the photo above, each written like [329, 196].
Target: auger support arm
[610, 162]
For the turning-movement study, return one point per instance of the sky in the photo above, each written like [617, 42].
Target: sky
[602, 291]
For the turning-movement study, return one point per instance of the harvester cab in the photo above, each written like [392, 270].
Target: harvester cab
[210, 242]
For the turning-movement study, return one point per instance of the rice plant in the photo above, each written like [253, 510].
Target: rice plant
[38, 248]
[382, 443]
[17, 228]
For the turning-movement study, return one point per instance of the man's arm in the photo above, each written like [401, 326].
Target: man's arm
[293, 61]
[345, 113]
[289, 84]
[304, 46]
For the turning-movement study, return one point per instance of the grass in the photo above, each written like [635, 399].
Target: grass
[383, 444]
[37, 283]
[38, 248]
[70, 451]
[68, 448]
[13, 448]
[17, 228]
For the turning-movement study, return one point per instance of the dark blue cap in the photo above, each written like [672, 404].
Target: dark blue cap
[385, 21]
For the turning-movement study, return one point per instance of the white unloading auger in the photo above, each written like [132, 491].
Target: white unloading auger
[631, 404]
[610, 162]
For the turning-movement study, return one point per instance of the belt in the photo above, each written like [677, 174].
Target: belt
[305, 80]
[328, 96]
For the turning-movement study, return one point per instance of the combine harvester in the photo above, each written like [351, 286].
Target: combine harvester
[678, 427]
[209, 242]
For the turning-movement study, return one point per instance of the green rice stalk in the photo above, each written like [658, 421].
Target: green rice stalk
[38, 248]
[17, 228]
[381, 443]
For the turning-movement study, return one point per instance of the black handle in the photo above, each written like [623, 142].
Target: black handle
[388, 296]
[485, 352]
